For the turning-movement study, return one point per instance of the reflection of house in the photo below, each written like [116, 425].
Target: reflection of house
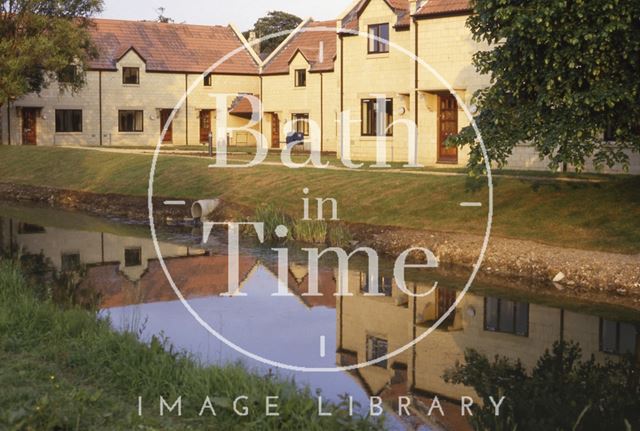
[372, 327]
[125, 270]
[67, 249]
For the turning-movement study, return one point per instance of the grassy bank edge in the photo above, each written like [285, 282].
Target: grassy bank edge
[599, 216]
[67, 369]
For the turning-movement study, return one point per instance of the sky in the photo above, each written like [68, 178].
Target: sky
[243, 13]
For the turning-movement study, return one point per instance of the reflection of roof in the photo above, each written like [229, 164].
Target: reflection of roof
[327, 286]
[196, 277]
[399, 7]
[443, 7]
[308, 44]
[170, 47]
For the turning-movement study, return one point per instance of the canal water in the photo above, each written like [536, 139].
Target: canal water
[120, 268]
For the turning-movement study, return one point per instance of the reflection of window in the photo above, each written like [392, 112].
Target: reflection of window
[68, 120]
[378, 31]
[501, 315]
[70, 261]
[377, 348]
[28, 229]
[208, 80]
[618, 338]
[301, 123]
[133, 256]
[130, 121]
[130, 75]
[385, 284]
[301, 77]
[377, 117]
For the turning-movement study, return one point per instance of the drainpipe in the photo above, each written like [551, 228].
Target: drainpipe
[416, 83]
[261, 108]
[9, 122]
[186, 107]
[321, 112]
[341, 91]
[100, 103]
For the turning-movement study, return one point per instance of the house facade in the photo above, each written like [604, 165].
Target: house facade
[350, 85]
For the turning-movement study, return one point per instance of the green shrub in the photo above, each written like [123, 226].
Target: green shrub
[310, 231]
[339, 236]
[272, 217]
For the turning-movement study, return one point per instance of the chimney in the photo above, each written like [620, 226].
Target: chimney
[251, 40]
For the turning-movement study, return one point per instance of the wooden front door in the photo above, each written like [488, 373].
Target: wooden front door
[29, 126]
[205, 125]
[164, 118]
[275, 131]
[447, 126]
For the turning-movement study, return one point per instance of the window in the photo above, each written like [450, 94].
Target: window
[208, 80]
[70, 261]
[132, 256]
[377, 116]
[377, 348]
[301, 77]
[300, 123]
[30, 229]
[130, 121]
[501, 315]
[610, 134]
[618, 338]
[130, 75]
[385, 284]
[380, 31]
[68, 75]
[68, 120]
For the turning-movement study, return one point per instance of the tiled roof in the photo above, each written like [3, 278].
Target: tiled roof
[442, 7]
[241, 105]
[400, 8]
[308, 42]
[170, 47]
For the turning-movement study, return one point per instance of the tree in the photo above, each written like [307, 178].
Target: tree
[161, 16]
[274, 22]
[562, 392]
[41, 40]
[563, 73]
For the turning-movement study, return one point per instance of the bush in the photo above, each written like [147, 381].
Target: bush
[310, 231]
[339, 236]
[562, 392]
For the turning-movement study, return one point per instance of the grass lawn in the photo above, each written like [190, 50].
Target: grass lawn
[599, 216]
[65, 369]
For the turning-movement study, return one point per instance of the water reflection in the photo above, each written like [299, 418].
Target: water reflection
[324, 331]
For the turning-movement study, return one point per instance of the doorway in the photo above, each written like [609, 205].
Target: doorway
[29, 126]
[205, 125]
[447, 126]
[275, 131]
[164, 118]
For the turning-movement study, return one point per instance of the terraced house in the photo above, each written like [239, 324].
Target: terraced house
[352, 85]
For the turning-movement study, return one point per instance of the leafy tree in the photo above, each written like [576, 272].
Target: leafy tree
[40, 40]
[274, 22]
[563, 72]
[162, 17]
[563, 392]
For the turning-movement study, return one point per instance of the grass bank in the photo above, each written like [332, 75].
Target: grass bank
[65, 369]
[594, 216]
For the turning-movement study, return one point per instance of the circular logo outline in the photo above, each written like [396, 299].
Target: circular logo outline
[390, 355]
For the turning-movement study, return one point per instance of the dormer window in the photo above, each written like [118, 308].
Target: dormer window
[378, 38]
[208, 80]
[131, 75]
[301, 78]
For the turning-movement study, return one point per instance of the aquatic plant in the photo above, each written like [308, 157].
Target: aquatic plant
[339, 236]
[310, 231]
